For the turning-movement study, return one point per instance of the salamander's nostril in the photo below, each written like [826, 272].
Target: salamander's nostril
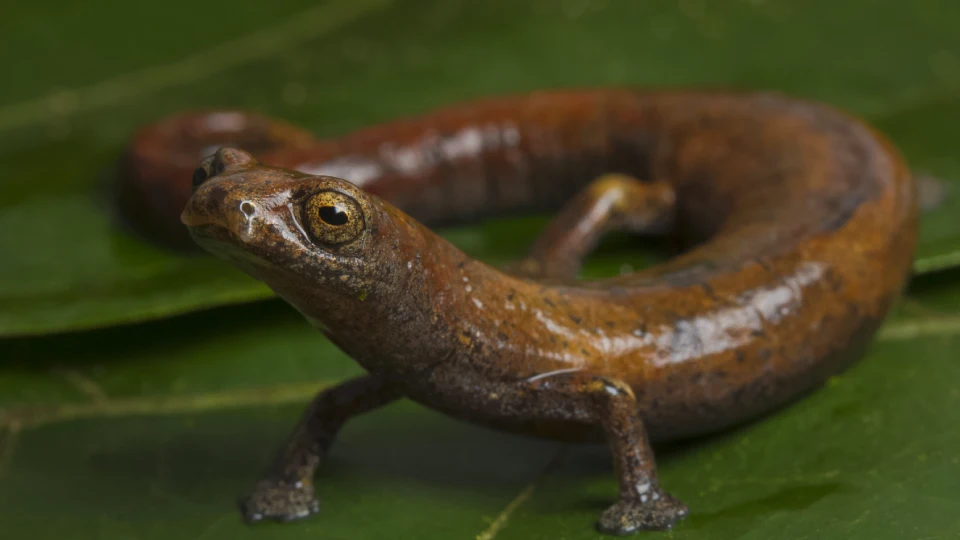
[248, 208]
[209, 168]
[199, 176]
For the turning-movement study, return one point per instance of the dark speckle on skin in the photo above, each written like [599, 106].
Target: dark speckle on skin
[836, 284]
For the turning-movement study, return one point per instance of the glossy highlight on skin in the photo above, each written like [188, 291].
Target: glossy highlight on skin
[799, 224]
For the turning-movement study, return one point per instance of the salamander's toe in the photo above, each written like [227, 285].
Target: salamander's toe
[278, 500]
[659, 513]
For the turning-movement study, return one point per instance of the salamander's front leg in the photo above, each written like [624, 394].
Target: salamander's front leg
[287, 493]
[611, 404]
[612, 202]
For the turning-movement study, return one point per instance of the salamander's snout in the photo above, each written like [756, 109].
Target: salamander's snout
[227, 196]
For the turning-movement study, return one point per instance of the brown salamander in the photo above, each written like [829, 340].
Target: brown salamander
[799, 222]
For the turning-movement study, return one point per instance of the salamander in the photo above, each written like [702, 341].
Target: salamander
[797, 221]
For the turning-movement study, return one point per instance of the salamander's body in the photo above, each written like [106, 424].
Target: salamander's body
[800, 223]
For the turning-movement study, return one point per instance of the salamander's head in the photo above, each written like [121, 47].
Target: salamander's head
[320, 242]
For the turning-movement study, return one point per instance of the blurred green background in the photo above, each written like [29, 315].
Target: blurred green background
[141, 393]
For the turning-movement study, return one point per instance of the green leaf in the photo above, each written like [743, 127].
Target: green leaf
[873, 455]
[155, 430]
[79, 78]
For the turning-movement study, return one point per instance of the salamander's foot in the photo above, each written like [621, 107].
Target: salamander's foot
[626, 517]
[278, 500]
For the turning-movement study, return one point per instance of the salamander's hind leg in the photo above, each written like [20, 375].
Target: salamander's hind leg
[286, 493]
[611, 404]
[612, 202]
[642, 505]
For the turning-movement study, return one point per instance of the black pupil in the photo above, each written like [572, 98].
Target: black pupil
[333, 215]
[199, 176]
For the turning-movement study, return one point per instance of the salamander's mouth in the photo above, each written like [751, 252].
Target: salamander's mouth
[224, 244]
[216, 239]
[211, 231]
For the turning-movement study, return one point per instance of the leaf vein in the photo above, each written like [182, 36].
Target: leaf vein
[905, 330]
[35, 415]
[85, 385]
[9, 435]
[218, 58]
[501, 520]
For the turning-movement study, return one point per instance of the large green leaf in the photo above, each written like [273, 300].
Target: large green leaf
[154, 431]
[79, 78]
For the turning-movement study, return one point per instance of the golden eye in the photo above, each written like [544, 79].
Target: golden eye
[333, 218]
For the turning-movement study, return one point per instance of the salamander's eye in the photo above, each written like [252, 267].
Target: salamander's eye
[333, 218]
